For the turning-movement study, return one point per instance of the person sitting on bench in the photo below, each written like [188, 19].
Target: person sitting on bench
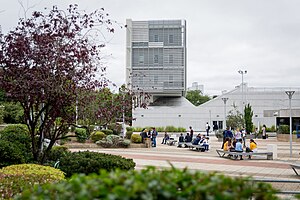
[166, 137]
[239, 148]
[181, 140]
[197, 140]
[205, 143]
[253, 147]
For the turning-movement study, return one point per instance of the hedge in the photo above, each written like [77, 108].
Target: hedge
[155, 184]
[16, 178]
[87, 162]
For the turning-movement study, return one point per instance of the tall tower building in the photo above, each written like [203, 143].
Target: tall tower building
[156, 57]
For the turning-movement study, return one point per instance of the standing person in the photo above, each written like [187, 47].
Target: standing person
[153, 136]
[264, 133]
[207, 127]
[244, 136]
[143, 134]
[226, 134]
[191, 133]
[215, 128]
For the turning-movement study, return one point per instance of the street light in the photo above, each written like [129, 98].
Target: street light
[290, 95]
[224, 100]
[242, 72]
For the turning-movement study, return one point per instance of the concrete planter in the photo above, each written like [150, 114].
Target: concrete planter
[286, 137]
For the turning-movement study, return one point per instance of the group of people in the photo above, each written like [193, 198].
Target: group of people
[237, 142]
[151, 135]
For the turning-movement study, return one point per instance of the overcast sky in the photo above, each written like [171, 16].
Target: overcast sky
[223, 36]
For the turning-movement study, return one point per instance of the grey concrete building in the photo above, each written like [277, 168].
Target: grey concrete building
[156, 57]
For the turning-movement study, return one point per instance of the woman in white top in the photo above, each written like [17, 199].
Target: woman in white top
[238, 134]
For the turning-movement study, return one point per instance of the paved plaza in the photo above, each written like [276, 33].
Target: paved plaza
[258, 167]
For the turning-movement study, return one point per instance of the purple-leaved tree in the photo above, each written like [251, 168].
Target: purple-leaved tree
[45, 62]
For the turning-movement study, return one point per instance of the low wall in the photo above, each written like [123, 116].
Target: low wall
[286, 138]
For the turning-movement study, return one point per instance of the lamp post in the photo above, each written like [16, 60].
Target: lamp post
[224, 100]
[290, 95]
[242, 72]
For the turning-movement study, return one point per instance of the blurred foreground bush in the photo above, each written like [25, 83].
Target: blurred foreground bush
[151, 183]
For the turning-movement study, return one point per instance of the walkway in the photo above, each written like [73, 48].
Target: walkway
[258, 167]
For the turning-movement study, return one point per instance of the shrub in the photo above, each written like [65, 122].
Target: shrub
[116, 128]
[156, 184]
[113, 141]
[135, 138]
[284, 129]
[10, 154]
[170, 129]
[129, 128]
[128, 134]
[107, 131]
[16, 178]
[181, 129]
[57, 152]
[13, 113]
[81, 134]
[98, 135]
[16, 135]
[87, 162]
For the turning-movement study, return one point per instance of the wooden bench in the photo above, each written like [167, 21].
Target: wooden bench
[196, 147]
[222, 153]
[295, 167]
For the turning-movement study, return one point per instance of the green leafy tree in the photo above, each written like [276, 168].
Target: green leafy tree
[235, 118]
[248, 114]
[196, 97]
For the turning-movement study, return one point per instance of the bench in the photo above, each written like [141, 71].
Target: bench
[295, 167]
[222, 153]
[171, 142]
[196, 147]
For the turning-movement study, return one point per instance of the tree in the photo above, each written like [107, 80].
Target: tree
[44, 64]
[235, 118]
[196, 98]
[248, 114]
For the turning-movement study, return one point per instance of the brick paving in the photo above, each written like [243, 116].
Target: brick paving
[258, 167]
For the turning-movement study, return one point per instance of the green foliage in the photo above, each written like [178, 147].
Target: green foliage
[1, 113]
[284, 129]
[98, 135]
[271, 129]
[128, 134]
[10, 154]
[129, 128]
[113, 141]
[116, 128]
[136, 138]
[87, 162]
[13, 113]
[196, 98]
[161, 129]
[181, 129]
[16, 178]
[154, 183]
[248, 114]
[107, 131]
[171, 129]
[57, 152]
[235, 118]
[17, 142]
[81, 134]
